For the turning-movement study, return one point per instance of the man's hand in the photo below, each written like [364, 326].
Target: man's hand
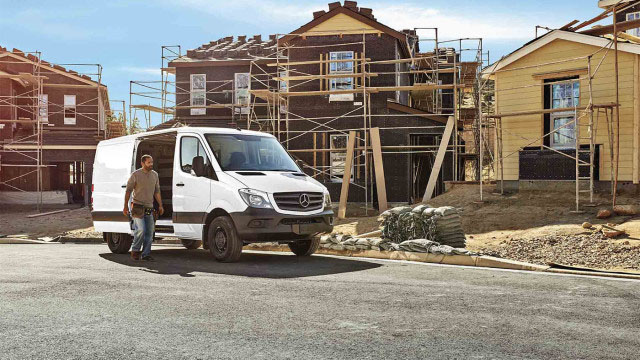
[125, 211]
[160, 210]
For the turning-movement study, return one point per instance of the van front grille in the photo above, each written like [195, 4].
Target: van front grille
[299, 201]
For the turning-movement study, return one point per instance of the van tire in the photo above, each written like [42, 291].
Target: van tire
[191, 244]
[305, 247]
[119, 243]
[224, 243]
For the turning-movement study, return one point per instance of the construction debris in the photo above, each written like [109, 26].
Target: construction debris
[626, 210]
[442, 225]
[604, 214]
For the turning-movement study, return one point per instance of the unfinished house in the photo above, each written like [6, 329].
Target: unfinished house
[567, 111]
[363, 107]
[51, 119]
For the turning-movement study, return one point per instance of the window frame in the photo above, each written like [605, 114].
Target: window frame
[244, 109]
[207, 160]
[70, 120]
[44, 108]
[563, 114]
[633, 16]
[333, 81]
[333, 176]
[200, 92]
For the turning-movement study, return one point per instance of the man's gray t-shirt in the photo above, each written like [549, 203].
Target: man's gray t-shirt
[143, 185]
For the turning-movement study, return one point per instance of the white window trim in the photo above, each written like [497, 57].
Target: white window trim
[332, 81]
[44, 107]
[333, 176]
[192, 92]
[70, 120]
[241, 109]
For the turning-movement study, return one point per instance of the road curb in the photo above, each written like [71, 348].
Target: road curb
[14, 241]
[480, 261]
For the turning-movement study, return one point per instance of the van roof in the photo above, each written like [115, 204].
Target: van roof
[185, 129]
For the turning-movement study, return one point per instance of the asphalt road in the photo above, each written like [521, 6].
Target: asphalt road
[80, 301]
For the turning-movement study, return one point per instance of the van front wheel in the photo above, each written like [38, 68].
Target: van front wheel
[118, 243]
[224, 243]
[305, 247]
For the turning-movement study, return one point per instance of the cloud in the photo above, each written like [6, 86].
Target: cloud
[450, 26]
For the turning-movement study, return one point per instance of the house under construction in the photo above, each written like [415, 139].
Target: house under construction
[376, 114]
[51, 118]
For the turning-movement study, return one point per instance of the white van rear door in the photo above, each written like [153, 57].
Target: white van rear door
[191, 194]
[111, 169]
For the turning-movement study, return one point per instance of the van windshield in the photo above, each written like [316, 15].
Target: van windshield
[238, 152]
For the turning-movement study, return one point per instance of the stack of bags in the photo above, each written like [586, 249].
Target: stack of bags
[347, 242]
[442, 225]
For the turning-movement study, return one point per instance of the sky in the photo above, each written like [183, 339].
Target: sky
[125, 36]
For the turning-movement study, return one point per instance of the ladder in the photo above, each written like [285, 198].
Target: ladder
[584, 133]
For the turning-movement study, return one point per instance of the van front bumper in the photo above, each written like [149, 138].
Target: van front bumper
[257, 225]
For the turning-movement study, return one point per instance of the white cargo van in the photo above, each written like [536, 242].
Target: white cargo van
[221, 188]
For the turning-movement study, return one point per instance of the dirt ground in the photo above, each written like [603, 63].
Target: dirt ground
[537, 227]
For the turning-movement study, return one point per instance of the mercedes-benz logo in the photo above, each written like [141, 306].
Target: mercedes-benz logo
[304, 200]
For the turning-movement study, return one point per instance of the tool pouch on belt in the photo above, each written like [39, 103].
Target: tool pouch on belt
[137, 211]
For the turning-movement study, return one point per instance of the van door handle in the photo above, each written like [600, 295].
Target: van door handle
[124, 186]
[180, 184]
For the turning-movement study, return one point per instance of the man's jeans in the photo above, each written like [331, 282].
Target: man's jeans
[143, 232]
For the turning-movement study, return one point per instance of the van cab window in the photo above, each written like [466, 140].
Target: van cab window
[237, 152]
[191, 147]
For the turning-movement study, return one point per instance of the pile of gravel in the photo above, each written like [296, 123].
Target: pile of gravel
[442, 225]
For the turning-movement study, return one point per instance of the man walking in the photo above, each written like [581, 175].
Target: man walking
[145, 185]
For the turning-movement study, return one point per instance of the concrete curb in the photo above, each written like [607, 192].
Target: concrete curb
[23, 241]
[462, 260]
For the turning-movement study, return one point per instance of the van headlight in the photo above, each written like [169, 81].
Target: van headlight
[255, 198]
[327, 201]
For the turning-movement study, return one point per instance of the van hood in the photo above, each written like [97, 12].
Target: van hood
[277, 181]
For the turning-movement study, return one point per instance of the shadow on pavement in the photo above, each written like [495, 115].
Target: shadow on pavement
[275, 266]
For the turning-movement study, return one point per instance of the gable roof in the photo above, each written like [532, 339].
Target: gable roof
[363, 15]
[229, 49]
[29, 58]
[541, 41]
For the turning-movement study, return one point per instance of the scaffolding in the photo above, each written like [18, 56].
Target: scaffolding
[36, 108]
[283, 76]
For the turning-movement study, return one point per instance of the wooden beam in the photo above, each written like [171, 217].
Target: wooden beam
[14, 121]
[313, 62]
[636, 120]
[71, 86]
[548, 111]
[560, 74]
[346, 177]
[327, 76]
[315, 153]
[602, 15]
[624, 35]
[437, 164]
[620, 27]
[569, 25]
[376, 148]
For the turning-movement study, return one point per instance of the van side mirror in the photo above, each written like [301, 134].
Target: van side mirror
[197, 165]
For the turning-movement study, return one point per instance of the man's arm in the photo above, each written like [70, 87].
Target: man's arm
[127, 195]
[158, 197]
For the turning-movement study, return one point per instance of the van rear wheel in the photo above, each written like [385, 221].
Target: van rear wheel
[191, 244]
[118, 243]
[224, 243]
[305, 247]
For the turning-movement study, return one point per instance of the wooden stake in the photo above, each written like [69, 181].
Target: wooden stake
[346, 177]
[379, 169]
[442, 150]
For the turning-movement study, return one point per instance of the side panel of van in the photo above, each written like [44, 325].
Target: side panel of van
[111, 169]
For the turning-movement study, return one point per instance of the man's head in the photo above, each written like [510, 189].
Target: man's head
[147, 162]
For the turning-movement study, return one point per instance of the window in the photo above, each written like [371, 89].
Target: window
[341, 67]
[338, 158]
[284, 87]
[241, 94]
[564, 94]
[238, 152]
[198, 93]
[633, 16]
[44, 108]
[191, 147]
[69, 109]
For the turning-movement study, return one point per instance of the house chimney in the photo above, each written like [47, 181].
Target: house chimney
[257, 38]
[352, 5]
[242, 38]
[334, 5]
[368, 12]
[317, 14]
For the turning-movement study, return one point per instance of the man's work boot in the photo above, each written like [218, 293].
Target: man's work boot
[148, 258]
[135, 255]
